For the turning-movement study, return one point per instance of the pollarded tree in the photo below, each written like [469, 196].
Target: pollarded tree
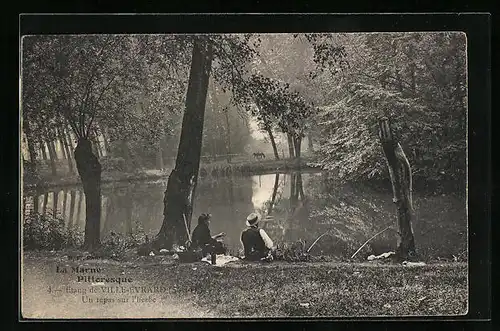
[84, 80]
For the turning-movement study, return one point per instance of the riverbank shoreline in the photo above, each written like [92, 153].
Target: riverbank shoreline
[256, 290]
[206, 170]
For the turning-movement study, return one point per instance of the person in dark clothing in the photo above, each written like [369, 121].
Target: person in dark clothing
[256, 243]
[202, 239]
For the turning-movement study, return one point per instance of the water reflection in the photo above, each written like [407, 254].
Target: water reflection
[301, 204]
[229, 200]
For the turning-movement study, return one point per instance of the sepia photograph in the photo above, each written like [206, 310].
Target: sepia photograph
[244, 175]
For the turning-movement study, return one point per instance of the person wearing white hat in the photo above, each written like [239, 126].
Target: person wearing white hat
[256, 243]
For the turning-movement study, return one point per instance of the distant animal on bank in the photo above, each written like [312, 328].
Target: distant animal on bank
[259, 156]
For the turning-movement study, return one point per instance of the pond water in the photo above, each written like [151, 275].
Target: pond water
[304, 206]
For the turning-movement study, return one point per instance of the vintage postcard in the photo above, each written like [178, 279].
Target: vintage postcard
[254, 175]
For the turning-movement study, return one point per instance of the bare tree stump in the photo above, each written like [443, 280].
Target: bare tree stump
[401, 180]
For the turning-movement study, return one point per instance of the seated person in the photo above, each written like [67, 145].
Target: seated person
[256, 243]
[201, 238]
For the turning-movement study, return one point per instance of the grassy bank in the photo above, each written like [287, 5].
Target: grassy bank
[327, 289]
[215, 169]
[255, 290]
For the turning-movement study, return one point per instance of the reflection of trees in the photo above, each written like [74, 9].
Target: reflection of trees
[79, 208]
[65, 199]
[269, 205]
[55, 202]
[273, 197]
[298, 211]
[44, 203]
[291, 212]
[297, 196]
[72, 208]
[118, 207]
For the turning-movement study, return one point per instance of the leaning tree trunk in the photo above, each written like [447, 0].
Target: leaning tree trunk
[178, 200]
[400, 174]
[89, 170]
[273, 143]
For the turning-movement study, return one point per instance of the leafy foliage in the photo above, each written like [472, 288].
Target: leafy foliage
[125, 84]
[417, 80]
[47, 232]
[275, 102]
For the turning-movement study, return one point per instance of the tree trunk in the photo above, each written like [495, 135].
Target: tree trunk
[89, 170]
[399, 81]
[297, 144]
[400, 175]
[64, 149]
[129, 166]
[97, 143]
[69, 150]
[44, 152]
[291, 148]
[178, 200]
[53, 157]
[273, 143]
[310, 146]
[104, 133]
[30, 145]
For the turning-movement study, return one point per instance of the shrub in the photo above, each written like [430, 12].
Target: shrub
[48, 233]
[292, 252]
[116, 245]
